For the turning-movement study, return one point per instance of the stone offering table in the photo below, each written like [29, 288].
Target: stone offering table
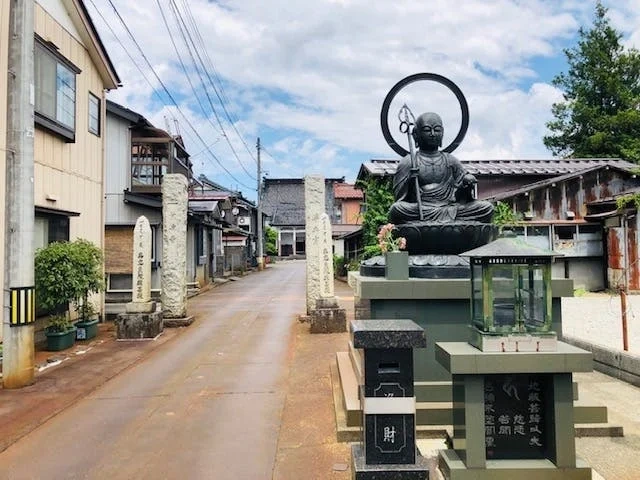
[513, 414]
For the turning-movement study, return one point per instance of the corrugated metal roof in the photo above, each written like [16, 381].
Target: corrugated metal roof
[551, 167]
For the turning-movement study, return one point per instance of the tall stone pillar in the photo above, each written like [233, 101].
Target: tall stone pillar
[141, 320]
[174, 249]
[141, 296]
[314, 207]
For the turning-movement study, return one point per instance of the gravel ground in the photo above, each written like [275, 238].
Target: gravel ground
[596, 318]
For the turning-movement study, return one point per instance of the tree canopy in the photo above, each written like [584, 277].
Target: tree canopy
[599, 116]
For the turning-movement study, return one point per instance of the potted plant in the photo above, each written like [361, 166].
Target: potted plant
[66, 273]
[60, 332]
[396, 261]
[87, 325]
[88, 261]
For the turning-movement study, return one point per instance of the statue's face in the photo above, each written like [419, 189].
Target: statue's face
[429, 131]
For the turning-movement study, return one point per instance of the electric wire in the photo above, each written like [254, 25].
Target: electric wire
[232, 120]
[159, 81]
[186, 34]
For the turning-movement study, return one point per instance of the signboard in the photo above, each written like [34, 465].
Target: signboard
[515, 417]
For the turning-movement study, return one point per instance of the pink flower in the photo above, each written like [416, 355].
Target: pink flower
[386, 240]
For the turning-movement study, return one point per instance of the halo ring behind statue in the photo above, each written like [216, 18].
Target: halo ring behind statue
[434, 77]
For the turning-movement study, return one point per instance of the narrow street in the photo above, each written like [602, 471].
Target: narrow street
[207, 404]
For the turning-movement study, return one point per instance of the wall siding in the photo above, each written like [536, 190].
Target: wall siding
[72, 173]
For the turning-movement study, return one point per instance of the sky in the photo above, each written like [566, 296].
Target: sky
[309, 78]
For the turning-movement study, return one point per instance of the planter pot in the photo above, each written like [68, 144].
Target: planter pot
[396, 265]
[60, 340]
[86, 329]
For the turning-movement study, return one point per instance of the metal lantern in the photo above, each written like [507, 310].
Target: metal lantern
[511, 295]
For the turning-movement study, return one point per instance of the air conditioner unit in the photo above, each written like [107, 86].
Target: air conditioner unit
[244, 220]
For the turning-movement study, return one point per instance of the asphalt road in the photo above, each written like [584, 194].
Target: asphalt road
[207, 404]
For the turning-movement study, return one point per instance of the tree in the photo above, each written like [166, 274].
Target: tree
[271, 237]
[378, 196]
[599, 116]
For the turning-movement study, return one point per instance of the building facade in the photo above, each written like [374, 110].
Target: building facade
[72, 72]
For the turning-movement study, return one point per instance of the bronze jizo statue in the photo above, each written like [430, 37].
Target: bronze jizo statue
[444, 188]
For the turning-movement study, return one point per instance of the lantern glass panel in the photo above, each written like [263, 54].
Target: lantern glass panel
[532, 293]
[504, 297]
[477, 298]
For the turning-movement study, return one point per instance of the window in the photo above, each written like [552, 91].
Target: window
[55, 90]
[199, 245]
[50, 228]
[119, 282]
[94, 114]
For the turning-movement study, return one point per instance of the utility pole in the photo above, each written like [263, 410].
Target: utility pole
[19, 291]
[259, 205]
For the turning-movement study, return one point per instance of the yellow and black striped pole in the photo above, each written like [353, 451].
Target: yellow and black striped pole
[23, 306]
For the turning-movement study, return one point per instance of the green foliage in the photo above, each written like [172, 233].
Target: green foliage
[271, 236]
[599, 115]
[339, 266]
[378, 194]
[371, 251]
[503, 215]
[353, 265]
[631, 199]
[67, 272]
[579, 292]
[59, 323]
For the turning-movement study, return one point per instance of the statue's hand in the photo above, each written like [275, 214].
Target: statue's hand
[464, 192]
[468, 180]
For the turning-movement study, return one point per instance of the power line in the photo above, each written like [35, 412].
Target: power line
[232, 122]
[184, 68]
[185, 34]
[159, 81]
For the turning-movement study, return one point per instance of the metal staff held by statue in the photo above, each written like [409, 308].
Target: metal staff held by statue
[407, 120]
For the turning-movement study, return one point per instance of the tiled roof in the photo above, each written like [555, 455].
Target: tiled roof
[283, 200]
[550, 167]
[346, 190]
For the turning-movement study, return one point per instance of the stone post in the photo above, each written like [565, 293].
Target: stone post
[314, 205]
[141, 320]
[174, 249]
[141, 297]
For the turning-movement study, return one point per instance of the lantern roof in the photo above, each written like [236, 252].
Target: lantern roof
[511, 247]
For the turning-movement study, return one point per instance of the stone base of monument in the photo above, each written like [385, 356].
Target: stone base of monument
[328, 317]
[513, 413]
[362, 471]
[513, 342]
[140, 307]
[422, 266]
[137, 326]
[178, 322]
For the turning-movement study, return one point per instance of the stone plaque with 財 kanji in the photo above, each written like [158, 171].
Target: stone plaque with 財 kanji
[516, 416]
[393, 439]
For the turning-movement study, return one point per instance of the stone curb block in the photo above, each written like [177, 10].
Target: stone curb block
[615, 363]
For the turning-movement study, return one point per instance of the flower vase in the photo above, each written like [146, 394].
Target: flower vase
[396, 266]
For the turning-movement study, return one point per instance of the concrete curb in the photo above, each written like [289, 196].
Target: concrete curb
[615, 363]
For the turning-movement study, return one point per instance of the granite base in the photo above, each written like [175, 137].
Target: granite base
[138, 325]
[362, 471]
[179, 322]
[329, 320]
[453, 468]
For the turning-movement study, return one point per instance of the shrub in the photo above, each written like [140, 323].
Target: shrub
[67, 272]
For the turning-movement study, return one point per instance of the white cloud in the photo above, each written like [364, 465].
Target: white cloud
[310, 77]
